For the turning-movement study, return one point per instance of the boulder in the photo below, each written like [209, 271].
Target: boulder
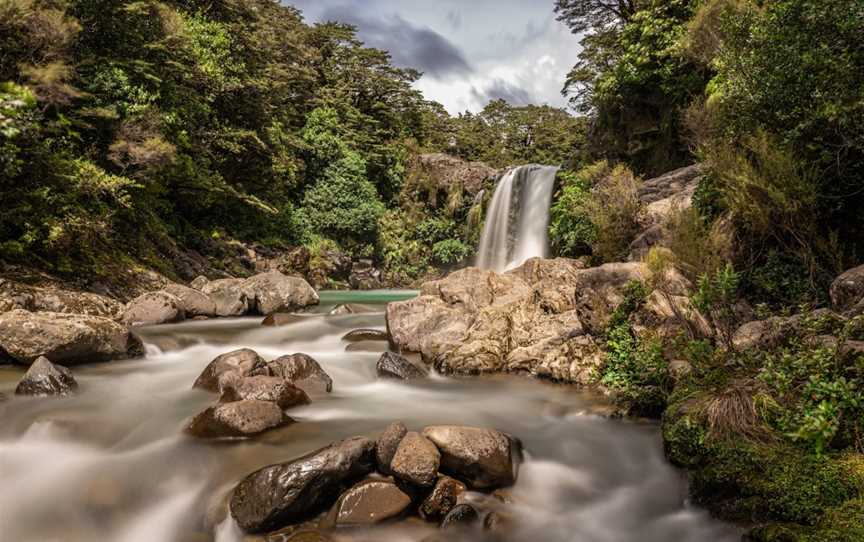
[274, 292]
[69, 339]
[376, 347]
[472, 289]
[673, 190]
[424, 323]
[288, 493]
[365, 335]
[263, 388]
[462, 515]
[847, 290]
[364, 276]
[300, 370]
[15, 295]
[416, 460]
[387, 444]
[43, 378]
[551, 280]
[442, 499]
[329, 266]
[599, 291]
[193, 302]
[240, 419]
[392, 365]
[369, 502]
[482, 458]
[238, 363]
[199, 282]
[230, 296]
[154, 308]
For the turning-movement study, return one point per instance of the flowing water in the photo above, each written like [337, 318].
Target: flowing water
[112, 464]
[518, 218]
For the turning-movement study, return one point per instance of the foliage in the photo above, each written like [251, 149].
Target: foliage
[715, 296]
[700, 247]
[571, 231]
[450, 251]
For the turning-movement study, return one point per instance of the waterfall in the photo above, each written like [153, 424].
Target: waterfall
[518, 218]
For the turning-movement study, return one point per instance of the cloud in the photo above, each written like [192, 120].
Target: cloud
[499, 89]
[455, 19]
[410, 46]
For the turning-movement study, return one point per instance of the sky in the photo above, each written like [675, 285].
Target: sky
[470, 51]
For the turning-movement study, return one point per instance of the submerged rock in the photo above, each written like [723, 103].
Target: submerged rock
[237, 363]
[416, 460]
[365, 335]
[193, 302]
[264, 388]
[369, 502]
[442, 499]
[462, 515]
[482, 458]
[238, 419]
[274, 292]
[392, 365]
[295, 491]
[154, 308]
[300, 370]
[43, 378]
[387, 444]
[69, 339]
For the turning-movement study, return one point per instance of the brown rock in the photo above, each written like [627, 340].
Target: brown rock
[230, 296]
[240, 363]
[416, 460]
[154, 308]
[43, 378]
[365, 335]
[847, 290]
[279, 319]
[300, 370]
[392, 365]
[462, 515]
[193, 302]
[367, 503]
[482, 458]
[265, 388]
[239, 419]
[443, 498]
[387, 444]
[274, 292]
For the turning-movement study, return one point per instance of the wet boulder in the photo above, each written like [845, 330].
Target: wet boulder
[231, 296]
[300, 370]
[274, 292]
[442, 499]
[369, 502]
[43, 378]
[482, 458]
[264, 388]
[365, 335]
[193, 302]
[416, 460]
[387, 444]
[392, 365]
[69, 339]
[295, 491]
[239, 419]
[847, 291]
[237, 363]
[462, 515]
[154, 308]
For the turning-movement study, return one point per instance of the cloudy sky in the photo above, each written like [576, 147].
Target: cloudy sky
[470, 51]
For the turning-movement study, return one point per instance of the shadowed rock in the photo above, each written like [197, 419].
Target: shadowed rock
[239, 363]
[387, 444]
[482, 458]
[462, 515]
[416, 460]
[365, 335]
[298, 490]
[264, 388]
[237, 420]
[847, 291]
[301, 370]
[442, 499]
[392, 365]
[43, 378]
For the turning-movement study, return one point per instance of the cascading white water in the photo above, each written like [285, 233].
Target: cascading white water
[517, 219]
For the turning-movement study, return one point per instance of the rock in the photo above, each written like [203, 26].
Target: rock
[69, 339]
[847, 290]
[239, 363]
[472, 289]
[416, 460]
[239, 419]
[193, 302]
[264, 388]
[43, 378]
[297, 536]
[462, 515]
[442, 171]
[369, 502]
[354, 308]
[423, 323]
[365, 335]
[294, 261]
[442, 499]
[154, 308]
[199, 282]
[274, 292]
[364, 276]
[496, 522]
[15, 295]
[230, 296]
[600, 290]
[295, 491]
[387, 444]
[680, 369]
[392, 365]
[279, 319]
[376, 347]
[551, 281]
[328, 266]
[482, 458]
[300, 370]
[673, 190]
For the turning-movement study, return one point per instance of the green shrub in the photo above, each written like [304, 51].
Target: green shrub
[571, 231]
[450, 251]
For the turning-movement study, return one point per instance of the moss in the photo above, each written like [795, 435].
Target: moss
[842, 524]
[684, 435]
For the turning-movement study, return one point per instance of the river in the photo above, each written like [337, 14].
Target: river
[111, 463]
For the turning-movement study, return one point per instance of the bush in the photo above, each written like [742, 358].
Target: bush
[700, 247]
[571, 231]
[450, 251]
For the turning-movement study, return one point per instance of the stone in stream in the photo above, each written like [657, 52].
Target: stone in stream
[354, 308]
[279, 319]
[68, 339]
[372, 347]
[391, 365]
[442, 499]
[43, 378]
[237, 362]
[482, 458]
[194, 302]
[237, 420]
[301, 370]
[154, 308]
[288, 493]
[367, 503]
[230, 296]
[365, 335]
[387, 444]
[416, 460]
[462, 515]
[274, 292]
[263, 388]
